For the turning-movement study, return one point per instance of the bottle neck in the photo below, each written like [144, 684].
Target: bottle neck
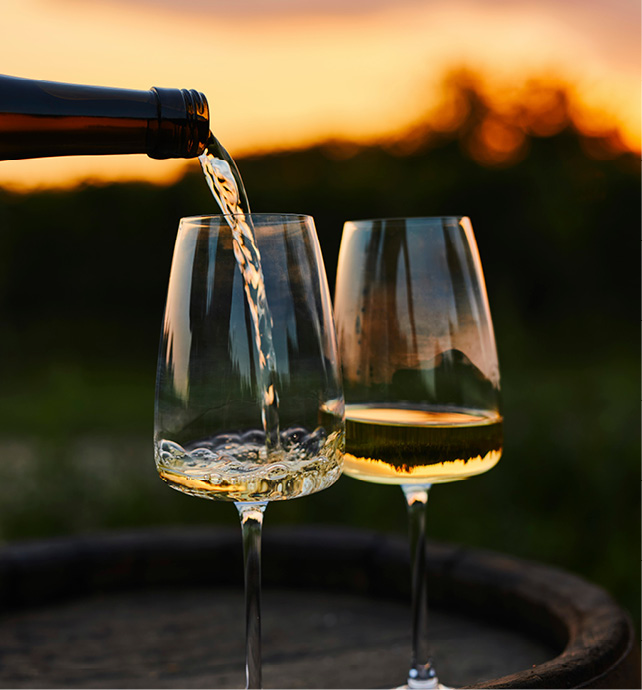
[43, 119]
[182, 126]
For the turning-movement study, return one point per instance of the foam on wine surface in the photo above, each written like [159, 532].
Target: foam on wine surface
[238, 467]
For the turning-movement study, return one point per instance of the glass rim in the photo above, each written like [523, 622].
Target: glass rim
[220, 216]
[457, 218]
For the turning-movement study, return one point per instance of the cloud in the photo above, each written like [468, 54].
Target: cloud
[612, 26]
[625, 11]
[263, 8]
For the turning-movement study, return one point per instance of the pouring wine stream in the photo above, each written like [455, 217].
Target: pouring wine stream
[226, 185]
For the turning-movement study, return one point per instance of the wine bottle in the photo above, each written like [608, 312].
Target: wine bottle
[40, 119]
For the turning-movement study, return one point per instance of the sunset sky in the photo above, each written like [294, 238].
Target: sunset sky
[280, 73]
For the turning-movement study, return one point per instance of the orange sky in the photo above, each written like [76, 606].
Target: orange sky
[283, 73]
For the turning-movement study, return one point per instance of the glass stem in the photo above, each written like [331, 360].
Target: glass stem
[421, 673]
[251, 515]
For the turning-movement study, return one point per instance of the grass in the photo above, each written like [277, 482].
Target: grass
[79, 459]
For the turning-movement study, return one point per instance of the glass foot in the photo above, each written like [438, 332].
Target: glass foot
[422, 677]
[437, 685]
[428, 684]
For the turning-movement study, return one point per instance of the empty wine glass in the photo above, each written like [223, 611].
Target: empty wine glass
[249, 405]
[420, 371]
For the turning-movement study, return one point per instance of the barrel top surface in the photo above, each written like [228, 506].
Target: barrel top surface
[192, 638]
[164, 608]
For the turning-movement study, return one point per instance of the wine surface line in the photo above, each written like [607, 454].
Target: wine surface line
[400, 444]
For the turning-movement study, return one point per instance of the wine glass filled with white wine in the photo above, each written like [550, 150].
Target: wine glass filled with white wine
[420, 371]
[249, 404]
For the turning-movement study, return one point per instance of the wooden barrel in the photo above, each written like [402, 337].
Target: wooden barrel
[164, 608]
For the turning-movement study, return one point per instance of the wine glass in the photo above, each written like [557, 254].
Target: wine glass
[249, 404]
[420, 371]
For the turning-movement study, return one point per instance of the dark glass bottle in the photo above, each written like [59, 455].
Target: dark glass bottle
[40, 119]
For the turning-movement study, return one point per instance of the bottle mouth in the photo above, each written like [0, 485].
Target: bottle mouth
[198, 122]
[182, 126]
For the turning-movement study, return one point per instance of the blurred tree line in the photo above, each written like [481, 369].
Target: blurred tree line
[83, 275]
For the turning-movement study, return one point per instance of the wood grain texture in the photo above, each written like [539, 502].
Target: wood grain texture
[164, 608]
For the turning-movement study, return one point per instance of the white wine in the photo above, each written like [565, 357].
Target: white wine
[404, 445]
[238, 467]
